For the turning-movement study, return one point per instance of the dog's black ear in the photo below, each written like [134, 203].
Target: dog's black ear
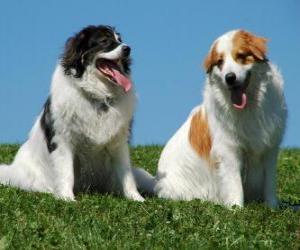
[72, 58]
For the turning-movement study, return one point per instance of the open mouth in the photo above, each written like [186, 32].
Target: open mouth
[238, 97]
[111, 70]
[238, 94]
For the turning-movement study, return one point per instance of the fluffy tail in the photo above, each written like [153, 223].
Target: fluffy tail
[145, 181]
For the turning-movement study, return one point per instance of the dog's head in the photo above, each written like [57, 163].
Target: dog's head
[101, 49]
[231, 60]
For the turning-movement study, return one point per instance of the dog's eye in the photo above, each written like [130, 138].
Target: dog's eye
[220, 63]
[241, 56]
[104, 41]
[118, 37]
[244, 58]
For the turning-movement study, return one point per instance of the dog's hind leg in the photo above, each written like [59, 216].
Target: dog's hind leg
[22, 175]
[15, 176]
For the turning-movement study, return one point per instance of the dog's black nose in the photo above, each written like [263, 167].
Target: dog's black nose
[126, 50]
[230, 78]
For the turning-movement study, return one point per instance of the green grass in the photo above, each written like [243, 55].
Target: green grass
[33, 220]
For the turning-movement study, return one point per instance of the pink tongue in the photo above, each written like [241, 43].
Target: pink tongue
[239, 99]
[121, 80]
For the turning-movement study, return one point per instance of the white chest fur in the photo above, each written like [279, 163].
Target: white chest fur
[96, 120]
[259, 126]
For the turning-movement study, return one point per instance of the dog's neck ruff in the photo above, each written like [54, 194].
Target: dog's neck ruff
[104, 104]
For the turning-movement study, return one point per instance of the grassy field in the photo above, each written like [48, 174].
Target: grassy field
[32, 220]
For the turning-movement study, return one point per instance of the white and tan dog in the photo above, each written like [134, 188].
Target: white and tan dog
[227, 149]
[79, 141]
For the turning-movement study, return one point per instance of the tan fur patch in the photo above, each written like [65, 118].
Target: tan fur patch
[248, 48]
[213, 58]
[199, 135]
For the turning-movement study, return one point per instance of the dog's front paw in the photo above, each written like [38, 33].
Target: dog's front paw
[135, 196]
[69, 196]
[236, 203]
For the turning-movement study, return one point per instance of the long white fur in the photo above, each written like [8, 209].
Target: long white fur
[99, 140]
[245, 143]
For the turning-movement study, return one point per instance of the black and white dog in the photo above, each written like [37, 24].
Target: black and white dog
[79, 141]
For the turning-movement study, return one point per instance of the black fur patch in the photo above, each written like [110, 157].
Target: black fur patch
[82, 47]
[47, 126]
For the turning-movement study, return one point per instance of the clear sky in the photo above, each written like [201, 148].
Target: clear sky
[169, 41]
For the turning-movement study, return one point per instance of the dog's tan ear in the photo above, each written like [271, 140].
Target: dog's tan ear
[211, 59]
[207, 64]
[259, 47]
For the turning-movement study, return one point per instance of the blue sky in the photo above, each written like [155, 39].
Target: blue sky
[169, 41]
